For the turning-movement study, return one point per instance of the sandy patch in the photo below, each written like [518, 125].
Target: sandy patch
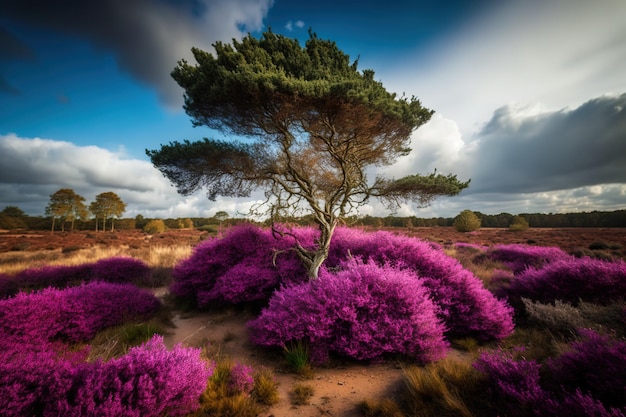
[337, 390]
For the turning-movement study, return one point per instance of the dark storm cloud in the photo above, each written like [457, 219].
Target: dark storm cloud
[517, 152]
[148, 37]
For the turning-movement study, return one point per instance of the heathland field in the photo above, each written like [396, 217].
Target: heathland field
[400, 322]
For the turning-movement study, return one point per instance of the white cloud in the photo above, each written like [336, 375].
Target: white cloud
[558, 53]
[32, 169]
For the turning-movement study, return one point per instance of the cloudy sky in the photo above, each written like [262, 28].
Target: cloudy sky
[529, 95]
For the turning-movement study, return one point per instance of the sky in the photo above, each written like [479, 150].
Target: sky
[529, 96]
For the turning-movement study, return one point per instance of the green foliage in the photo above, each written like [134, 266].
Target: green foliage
[107, 206]
[115, 341]
[297, 357]
[319, 124]
[154, 226]
[518, 224]
[66, 205]
[466, 221]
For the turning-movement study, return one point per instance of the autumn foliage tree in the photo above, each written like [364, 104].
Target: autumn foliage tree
[67, 206]
[107, 206]
[317, 124]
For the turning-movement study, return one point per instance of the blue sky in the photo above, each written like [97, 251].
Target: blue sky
[530, 96]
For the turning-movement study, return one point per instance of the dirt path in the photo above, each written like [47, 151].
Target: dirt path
[337, 390]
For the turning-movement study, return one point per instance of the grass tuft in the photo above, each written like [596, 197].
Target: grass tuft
[297, 357]
[301, 394]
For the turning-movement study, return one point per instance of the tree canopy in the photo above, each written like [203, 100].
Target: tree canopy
[314, 124]
[107, 205]
[66, 205]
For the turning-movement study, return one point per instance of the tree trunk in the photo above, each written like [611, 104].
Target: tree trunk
[318, 257]
[112, 227]
[53, 219]
[96, 218]
[104, 224]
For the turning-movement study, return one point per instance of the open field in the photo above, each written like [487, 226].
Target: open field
[339, 387]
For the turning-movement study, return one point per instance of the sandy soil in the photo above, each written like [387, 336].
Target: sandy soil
[337, 389]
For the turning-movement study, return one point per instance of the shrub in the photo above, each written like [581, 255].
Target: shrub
[154, 227]
[464, 305]
[116, 269]
[249, 264]
[521, 257]
[595, 365]
[246, 265]
[363, 312]
[518, 224]
[466, 221]
[564, 319]
[145, 382]
[73, 314]
[570, 280]
[586, 380]
[122, 270]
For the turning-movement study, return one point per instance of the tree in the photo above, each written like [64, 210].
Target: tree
[518, 224]
[66, 205]
[317, 124]
[466, 221]
[107, 205]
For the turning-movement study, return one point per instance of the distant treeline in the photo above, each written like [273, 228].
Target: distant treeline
[13, 219]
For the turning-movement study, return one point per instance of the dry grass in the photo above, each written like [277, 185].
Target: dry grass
[155, 256]
[301, 394]
[444, 388]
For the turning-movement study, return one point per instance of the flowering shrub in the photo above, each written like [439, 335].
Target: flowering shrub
[465, 306]
[587, 380]
[117, 269]
[571, 280]
[145, 382]
[520, 257]
[50, 276]
[241, 378]
[247, 264]
[120, 269]
[73, 314]
[363, 312]
[596, 365]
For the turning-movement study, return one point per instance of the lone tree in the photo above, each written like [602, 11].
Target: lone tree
[66, 205]
[107, 205]
[317, 122]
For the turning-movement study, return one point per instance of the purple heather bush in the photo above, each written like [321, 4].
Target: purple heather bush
[241, 378]
[589, 379]
[519, 257]
[571, 280]
[72, 314]
[247, 264]
[596, 365]
[148, 381]
[121, 270]
[364, 311]
[116, 269]
[466, 307]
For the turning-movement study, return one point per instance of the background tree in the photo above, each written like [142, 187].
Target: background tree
[12, 217]
[107, 205]
[466, 221]
[66, 205]
[319, 123]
